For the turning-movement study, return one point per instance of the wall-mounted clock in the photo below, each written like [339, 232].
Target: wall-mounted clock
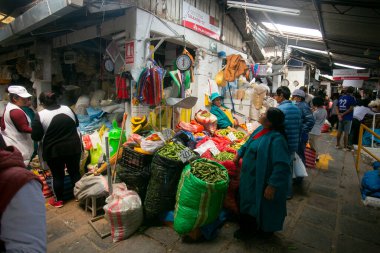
[285, 82]
[109, 65]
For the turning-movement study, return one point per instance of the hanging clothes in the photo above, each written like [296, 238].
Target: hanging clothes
[235, 67]
[122, 87]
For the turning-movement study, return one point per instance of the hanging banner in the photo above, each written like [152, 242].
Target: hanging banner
[349, 74]
[199, 21]
[129, 52]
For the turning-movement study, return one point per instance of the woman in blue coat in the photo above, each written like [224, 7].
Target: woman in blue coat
[264, 177]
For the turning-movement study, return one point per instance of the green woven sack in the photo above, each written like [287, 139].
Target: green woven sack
[198, 202]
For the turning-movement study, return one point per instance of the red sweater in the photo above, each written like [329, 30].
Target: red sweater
[19, 120]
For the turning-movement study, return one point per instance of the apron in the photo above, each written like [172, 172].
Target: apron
[12, 137]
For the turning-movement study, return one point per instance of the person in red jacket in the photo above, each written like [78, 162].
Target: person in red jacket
[22, 205]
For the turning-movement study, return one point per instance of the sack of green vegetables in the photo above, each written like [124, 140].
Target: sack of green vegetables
[201, 191]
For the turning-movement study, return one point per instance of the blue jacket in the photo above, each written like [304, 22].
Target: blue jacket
[306, 116]
[292, 123]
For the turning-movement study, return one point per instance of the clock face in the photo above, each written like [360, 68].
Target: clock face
[183, 62]
[285, 82]
[108, 65]
[296, 83]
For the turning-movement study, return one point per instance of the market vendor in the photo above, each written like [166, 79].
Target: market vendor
[223, 114]
[15, 124]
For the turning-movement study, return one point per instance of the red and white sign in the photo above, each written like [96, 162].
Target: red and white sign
[200, 22]
[129, 52]
[349, 74]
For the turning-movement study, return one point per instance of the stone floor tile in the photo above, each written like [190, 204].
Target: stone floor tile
[322, 202]
[78, 244]
[164, 235]
[55, 229]
[360, 229]
[138, 244]
[324, 191]
[318, 239]
[348, 244]
[360, 212]
[319, 217]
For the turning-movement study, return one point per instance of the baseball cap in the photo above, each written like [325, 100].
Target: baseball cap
[19, 90]
[299, 93]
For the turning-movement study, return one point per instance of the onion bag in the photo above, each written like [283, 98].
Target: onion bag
[124, 212]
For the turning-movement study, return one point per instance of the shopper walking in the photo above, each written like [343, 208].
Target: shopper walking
[307, 122]
[56, 128]
[264, 177]
[333, 116]
[15, 123]
[22, 205]
[345, 111]
[292, 127]
[359, 113]
[320, 115]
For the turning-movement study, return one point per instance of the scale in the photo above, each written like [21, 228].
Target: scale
[183, 62]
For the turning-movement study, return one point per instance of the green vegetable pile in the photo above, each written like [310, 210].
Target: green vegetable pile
[171, 150]
[206, 114]
[208, 172]
[224, 156]
[237, 145]
[238, 134]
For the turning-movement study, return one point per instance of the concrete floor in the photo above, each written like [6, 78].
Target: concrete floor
[325, 215]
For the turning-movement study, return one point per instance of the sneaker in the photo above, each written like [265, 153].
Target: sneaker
[317, 159]
[54, 203]
[338, 147]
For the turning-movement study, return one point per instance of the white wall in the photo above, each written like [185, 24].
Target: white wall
[296, 75]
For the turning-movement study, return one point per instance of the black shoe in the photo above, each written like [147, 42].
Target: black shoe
[264, 235]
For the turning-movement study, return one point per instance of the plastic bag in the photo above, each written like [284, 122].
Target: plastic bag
[208, 120]
[150, 145]
[90, 186]
[124, 212]
[96, 154]
[299, 168]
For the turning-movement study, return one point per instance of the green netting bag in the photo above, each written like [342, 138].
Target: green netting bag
[198, 201]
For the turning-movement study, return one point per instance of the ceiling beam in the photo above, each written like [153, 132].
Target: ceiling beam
[317, 7]
[363, 4]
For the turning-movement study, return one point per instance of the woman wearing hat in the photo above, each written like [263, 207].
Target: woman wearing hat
[223, 114]
[15, 123]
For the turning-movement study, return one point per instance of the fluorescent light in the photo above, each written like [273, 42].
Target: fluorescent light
[7, 20]
[328, 77]
[293, 30]
[265, 8]
[347, 66]
[308, 49]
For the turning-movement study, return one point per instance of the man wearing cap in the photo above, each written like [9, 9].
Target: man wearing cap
[223, 114]
[307, 121]
[15, 124]
[292, 127]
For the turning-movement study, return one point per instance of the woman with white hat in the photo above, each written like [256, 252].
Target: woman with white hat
[15, 123]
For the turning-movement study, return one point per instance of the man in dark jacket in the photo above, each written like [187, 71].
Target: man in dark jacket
[22, 205]
[307, 121]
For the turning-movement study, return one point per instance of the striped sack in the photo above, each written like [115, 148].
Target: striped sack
[310, 157]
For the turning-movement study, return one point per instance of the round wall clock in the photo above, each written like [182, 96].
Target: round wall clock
[183, 62]
[296, 83]
[285, 82]
[109, 65]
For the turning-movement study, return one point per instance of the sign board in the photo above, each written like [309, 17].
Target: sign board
[231, 136]
[185, 155]
[349, 74]
[129, 52]
[317, 74]
[200, 21]
[353, 83]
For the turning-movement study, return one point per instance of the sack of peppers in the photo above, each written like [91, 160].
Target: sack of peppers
[200, 195]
